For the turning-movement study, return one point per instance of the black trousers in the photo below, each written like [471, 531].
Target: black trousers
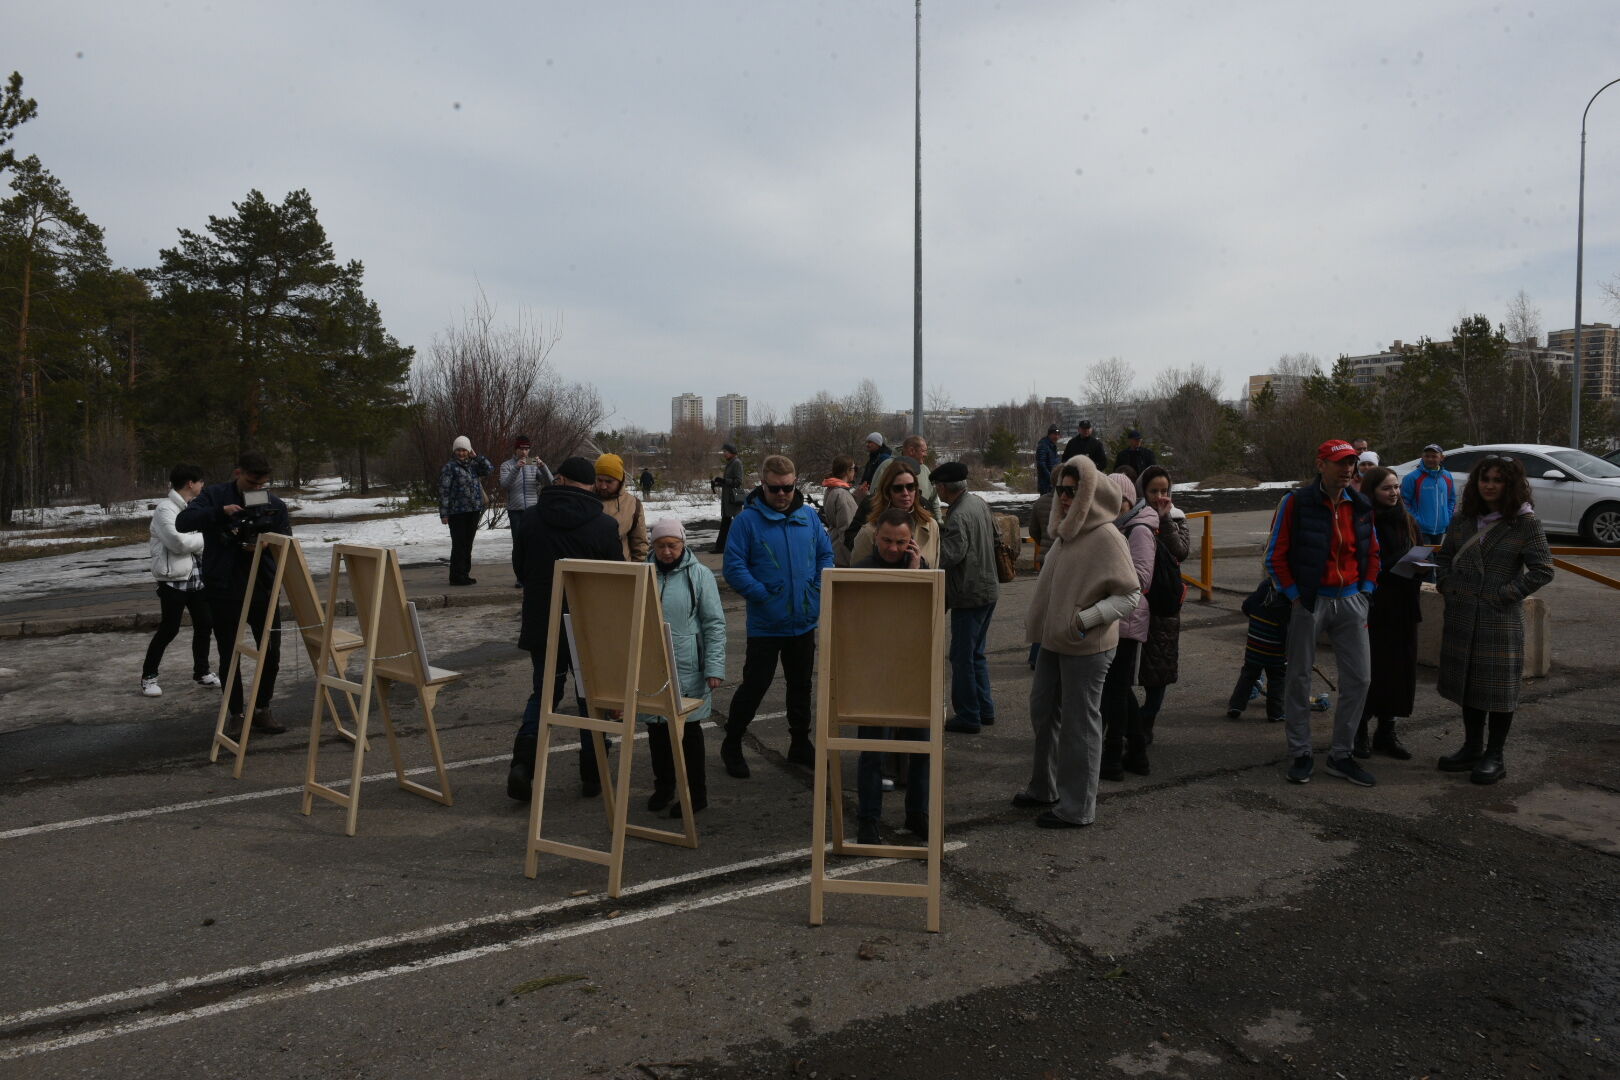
[462, 528]
[515, 519]
[1120, 708]
[798, 657]
[225, 608]
[1276, 682]
[175, 603]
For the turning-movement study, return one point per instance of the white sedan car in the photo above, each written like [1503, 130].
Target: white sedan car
[1574, 491]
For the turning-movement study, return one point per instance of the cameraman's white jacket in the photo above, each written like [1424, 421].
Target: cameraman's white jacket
[173, 553]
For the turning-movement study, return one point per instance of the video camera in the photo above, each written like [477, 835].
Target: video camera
[256, 516]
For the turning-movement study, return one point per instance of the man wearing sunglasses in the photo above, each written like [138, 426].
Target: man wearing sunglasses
[775, 553]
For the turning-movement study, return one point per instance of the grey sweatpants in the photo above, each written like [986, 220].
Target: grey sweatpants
[1065, 709]
[1344, 620]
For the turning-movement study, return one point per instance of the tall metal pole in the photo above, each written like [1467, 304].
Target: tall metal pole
[1580, 258]
[916, 299]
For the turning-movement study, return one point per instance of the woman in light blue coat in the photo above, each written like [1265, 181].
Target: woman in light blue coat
[697, 626]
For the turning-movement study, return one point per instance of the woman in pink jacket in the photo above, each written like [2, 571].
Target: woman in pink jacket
[1124, 736]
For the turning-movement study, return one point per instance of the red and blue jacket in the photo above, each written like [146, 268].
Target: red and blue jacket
[1322, 548]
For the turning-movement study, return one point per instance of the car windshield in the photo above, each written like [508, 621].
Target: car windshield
[1587, 465]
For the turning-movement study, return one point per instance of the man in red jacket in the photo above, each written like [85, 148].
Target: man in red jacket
[1323, 555]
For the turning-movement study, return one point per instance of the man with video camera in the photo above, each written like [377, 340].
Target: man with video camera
[231, 516]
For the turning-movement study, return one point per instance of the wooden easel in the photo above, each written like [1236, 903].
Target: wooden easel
[392, 650]
[293, 580]
[859, 685]
[620, 647]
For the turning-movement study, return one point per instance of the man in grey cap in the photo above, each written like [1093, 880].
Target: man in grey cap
[967, 554]
[1430, 494]
[731, 495]
[1135, 456]
[1088, 444]
[877, 452]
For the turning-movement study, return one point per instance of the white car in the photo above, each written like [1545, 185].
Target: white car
[1574, 491]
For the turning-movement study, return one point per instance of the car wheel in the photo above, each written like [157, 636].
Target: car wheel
[1602, 525]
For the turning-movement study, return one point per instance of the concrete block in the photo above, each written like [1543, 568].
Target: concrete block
[1537, 633]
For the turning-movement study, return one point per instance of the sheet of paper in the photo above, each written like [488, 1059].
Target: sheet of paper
[1414, 562]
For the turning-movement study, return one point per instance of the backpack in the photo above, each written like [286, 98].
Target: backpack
[1166, 590]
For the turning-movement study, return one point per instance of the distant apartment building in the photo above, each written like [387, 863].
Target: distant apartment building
[1282, 385]
[1600, 356]
[806, 411]
[1064, 413]
[730, 413]
[1367, 370]
[685, 410]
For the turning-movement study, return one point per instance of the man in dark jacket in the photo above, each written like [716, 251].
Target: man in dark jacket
[231, 516]
[967, 554]
[1046, 460]
[731, 495]
[1088, 444]
[1135, 456]
[566, 522]
[877, 452]
[774, 561]
[1323, 555]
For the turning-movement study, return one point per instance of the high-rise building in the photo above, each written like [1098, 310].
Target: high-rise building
[1284, 386]
[730, 413]
[685, 410]
[1600, 356]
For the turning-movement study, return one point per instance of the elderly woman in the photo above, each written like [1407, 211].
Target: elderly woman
[1086, 585]
[697, 625]
[899, 488]
[1161, 652]
[1494, 555]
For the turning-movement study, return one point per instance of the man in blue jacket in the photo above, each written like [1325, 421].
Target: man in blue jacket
[1431, 495]
[775, 554]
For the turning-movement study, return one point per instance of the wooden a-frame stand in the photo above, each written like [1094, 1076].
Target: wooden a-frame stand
[858, 685]
[392, 651]
[293, 580]
[625, 665]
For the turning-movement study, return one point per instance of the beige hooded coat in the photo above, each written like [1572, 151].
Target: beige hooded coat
[1087, 580]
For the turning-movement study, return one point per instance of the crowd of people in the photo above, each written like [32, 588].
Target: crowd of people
[1345, 560]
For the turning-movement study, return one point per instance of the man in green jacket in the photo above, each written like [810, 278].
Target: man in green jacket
[967, 554]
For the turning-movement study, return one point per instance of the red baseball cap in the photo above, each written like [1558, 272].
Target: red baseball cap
[1335, 450]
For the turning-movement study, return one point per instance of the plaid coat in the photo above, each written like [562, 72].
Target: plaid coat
[1482, 647]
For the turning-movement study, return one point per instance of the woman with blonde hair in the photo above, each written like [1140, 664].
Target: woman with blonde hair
[899, 489]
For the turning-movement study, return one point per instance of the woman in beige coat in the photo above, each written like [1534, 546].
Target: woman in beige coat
[900, 489]
[1087, 584]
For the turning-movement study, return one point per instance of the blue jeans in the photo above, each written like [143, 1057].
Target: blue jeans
[970, 675]
[869, 774]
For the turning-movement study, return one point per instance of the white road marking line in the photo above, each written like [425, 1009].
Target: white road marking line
[676, 907]
[249, 796]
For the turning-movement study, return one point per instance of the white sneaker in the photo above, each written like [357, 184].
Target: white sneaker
[149, 686]
[209, 679]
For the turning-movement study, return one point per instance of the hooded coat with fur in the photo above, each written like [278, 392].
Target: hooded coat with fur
[1087, 577]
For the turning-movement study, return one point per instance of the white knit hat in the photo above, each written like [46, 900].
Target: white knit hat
[461, 443]
[668, 526]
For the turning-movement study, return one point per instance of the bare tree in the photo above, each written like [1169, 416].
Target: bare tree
[694, 453]
[1611, 293]
[1532, 377]
[1109, 390]
[491, 381]
[829, 426]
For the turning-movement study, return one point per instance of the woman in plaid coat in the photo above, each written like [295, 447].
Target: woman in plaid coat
[1493, 556]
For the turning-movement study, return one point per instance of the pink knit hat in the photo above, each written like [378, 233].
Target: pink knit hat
[668, 527]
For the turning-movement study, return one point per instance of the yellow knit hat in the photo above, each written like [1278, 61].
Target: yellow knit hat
[610, 465]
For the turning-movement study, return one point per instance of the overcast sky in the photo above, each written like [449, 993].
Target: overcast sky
[717, 197]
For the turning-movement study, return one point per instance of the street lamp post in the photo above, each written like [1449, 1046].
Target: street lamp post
[916, 277]
[1580, 258]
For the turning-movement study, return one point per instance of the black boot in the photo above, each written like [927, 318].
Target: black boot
[663, 766]
[801, 751]
[731, 754]
[1136, 759]
[1362, 748]
[520, 775]
[696, 778]
[1385, 741]
[1491, 767]
[590, 779]
[1113, 765]
[1472, 747]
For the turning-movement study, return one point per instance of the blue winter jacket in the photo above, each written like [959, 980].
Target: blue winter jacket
[1431, 496]
[459, 489]
[697, 628]
[774, 561]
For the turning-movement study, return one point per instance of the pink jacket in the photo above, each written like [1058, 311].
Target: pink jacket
[1141, 542]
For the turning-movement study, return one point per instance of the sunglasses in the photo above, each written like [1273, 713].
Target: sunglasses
[779, 489]
[1066, 491]
[902, 487]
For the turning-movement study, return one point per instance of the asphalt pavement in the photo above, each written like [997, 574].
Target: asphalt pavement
[165, 920]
